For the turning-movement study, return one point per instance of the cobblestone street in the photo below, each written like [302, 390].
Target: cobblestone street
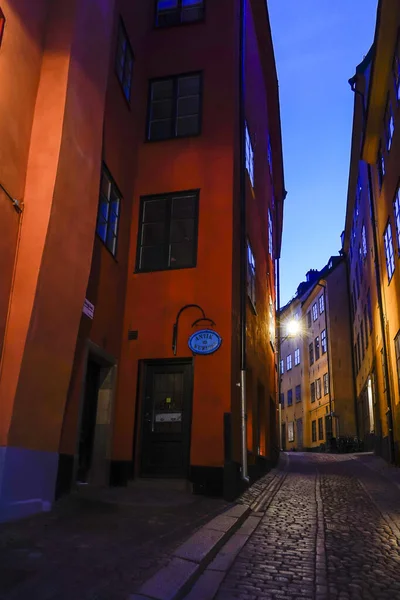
[331, 531]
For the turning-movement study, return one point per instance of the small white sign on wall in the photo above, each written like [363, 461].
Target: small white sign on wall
[88, 309]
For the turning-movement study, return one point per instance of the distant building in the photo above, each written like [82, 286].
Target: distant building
[317, 389]
[372, 236]
[142, 141]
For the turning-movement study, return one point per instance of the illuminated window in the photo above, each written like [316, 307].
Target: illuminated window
[290, 397]
[174, 107]
[270, 239]
[2, 23]
[288, 362]
[323, 341]
[364, 242]
[314, 312]
[249, 156]
[251, 275]
[124, 61]
[297, 357]
[389, 125]
[389, 253]
[168, 232]
[321, 304]
[396, 208]
[108, 211]
[326, 384]
[177, 12]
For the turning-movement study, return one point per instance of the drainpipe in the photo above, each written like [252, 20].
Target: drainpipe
[243, 245]
[371, 198]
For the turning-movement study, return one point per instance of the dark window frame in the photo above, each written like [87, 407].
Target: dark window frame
[313, 431]
[122, 29]
[290, 397]
[168, 196]
[312, 392]
[316, 348]
[114, 186]
[175, 79]
[178, 13]
[311, 353]
[325, 379]
[298, 393]
[320, 429]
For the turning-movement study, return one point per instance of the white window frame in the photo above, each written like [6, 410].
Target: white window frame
[314, 311]
[297, 357]
[389, 250]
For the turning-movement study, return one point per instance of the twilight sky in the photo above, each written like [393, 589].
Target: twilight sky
[318, 44]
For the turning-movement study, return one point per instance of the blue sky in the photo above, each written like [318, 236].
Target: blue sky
[318, 44]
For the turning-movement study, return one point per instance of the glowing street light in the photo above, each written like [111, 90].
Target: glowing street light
[292, 328]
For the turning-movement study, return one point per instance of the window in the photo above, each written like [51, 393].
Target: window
[174, 107]
[251, 275]
[326, 384]
[290, 431]
[108, 211]
[290, 397]
[396, 70]
[311, 353]
[249, 156]
[270, 238]
[168, 232]
[366, 327]
[269, 155]
[2, 23]
[320, 429]
[288, 362]
[312, 392]
[364, 242]
[396, 209]
[380, 166]
[321, 304]
[297, 357]
[175, 12]
[298, 393]
[281, 367]
[309, 318]
[389, 125]
[316, 343]
[397, 350]
[323, 341]
[387, 236]
[124, 61]
[314, 312]
[282, 400]
[314, 431]
[318, 388]
[369, 308]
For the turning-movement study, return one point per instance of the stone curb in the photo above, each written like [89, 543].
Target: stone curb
[191, 559]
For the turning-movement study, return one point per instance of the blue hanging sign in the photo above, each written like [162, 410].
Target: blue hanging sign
[204, 341]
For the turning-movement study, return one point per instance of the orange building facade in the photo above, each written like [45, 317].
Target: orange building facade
[171, 110]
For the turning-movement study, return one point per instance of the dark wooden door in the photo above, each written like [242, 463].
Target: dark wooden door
[88, 421]
[166, 420]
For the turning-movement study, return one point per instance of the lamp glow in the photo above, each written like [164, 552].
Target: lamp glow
[292, 327]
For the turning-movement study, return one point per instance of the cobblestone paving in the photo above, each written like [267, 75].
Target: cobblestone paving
[330, 532]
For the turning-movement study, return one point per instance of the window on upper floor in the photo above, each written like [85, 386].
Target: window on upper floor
[314, 312]
[364, 242]
[298, 393]
[270, 235]
[311, 353]
[297, 357]
[318, 388]
[326, 384]
[323, 341]
[312, 392]
[108, 211]
[249, 156]
[321, 304]
[290, 397]
[167, 236]
[380, 166]
[174, 107]
[389, 125]
[288, 362]
[2, 23]
[281, 367]
[396, 69]
[251, 275]
[316, 344]
[124, 61]
[396, 210]
[309, 318]
[177, 12]
[389, 252]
